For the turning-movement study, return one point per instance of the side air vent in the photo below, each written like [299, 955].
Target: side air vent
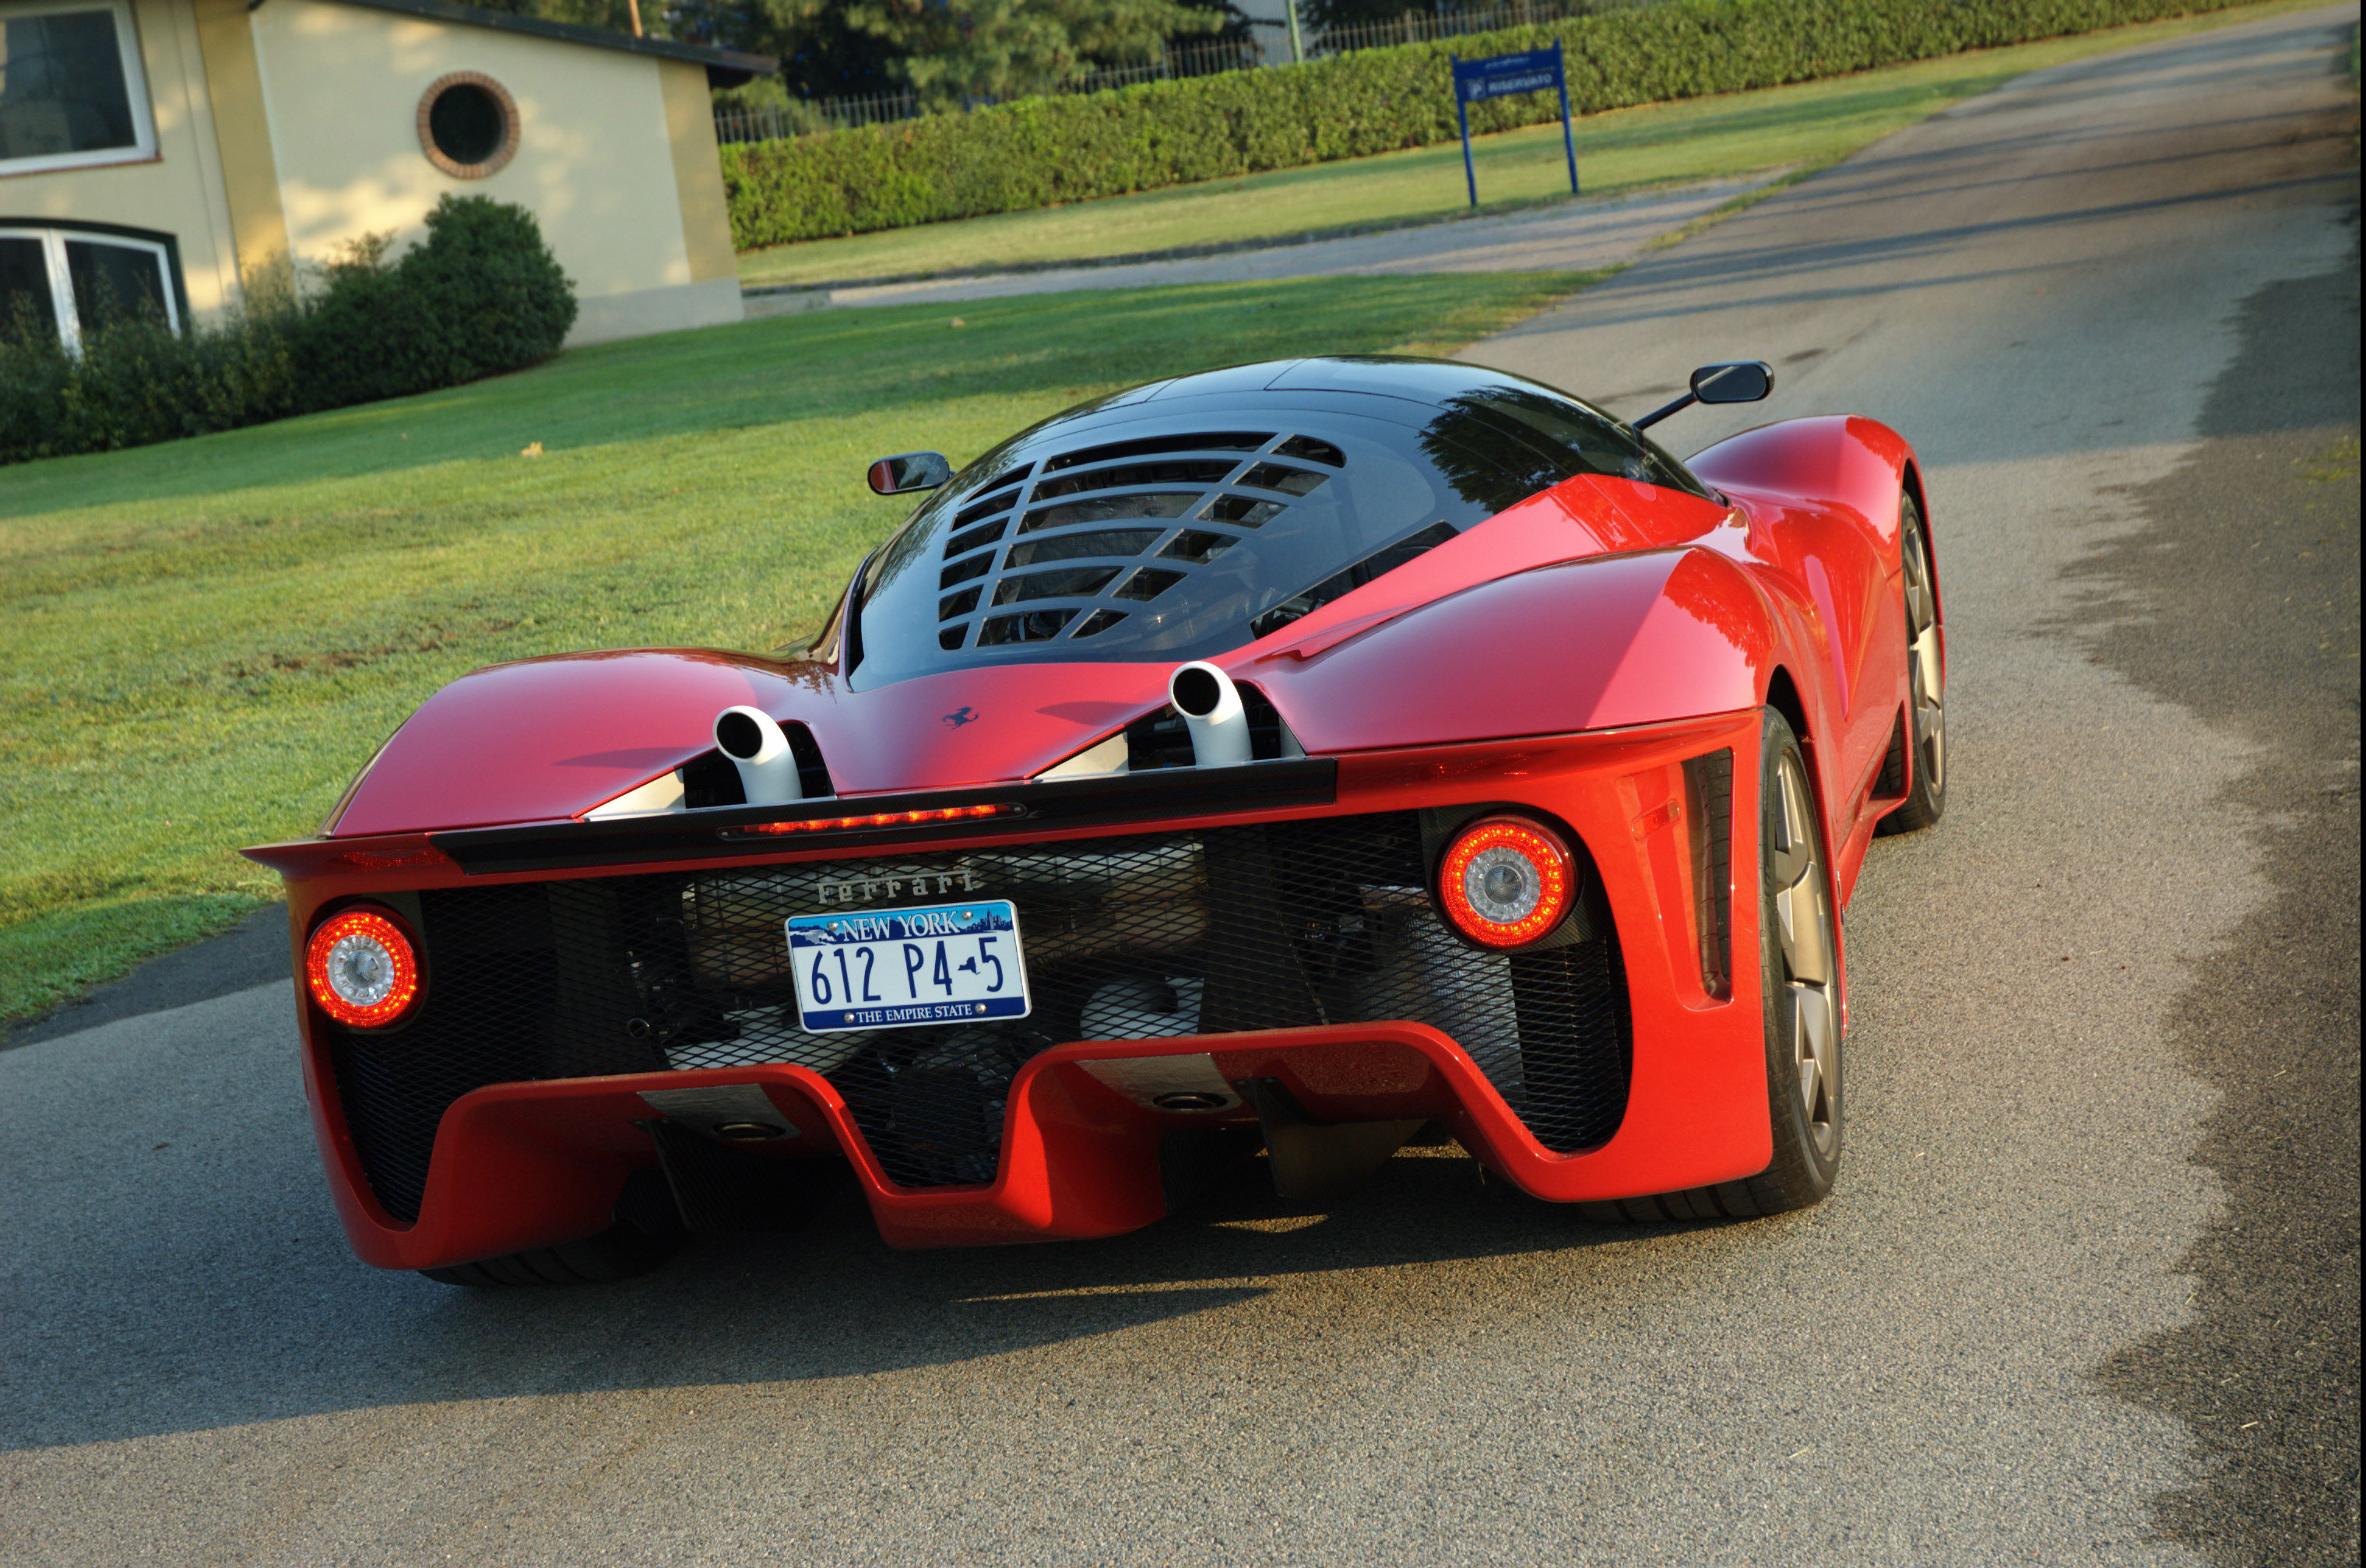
[1073, 562]
[1158, 739]
[1709, 807]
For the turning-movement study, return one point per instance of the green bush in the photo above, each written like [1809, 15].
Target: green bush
[480, 294]
[138, 381]
[1041, 152]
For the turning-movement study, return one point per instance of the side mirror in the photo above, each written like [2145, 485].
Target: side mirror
[1747, 381]
[1741, 382]
[910, 471]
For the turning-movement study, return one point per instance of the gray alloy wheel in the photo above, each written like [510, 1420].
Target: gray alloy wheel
[1925, 679]
[1800, 989]
[1806, 972]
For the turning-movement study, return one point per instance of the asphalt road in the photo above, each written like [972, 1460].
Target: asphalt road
[2087, 1293]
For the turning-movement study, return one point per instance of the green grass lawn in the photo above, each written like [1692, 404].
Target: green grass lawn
[200, 642]
[1625, 149]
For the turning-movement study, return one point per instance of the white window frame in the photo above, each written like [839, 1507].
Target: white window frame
[62, 297]
[135, 87]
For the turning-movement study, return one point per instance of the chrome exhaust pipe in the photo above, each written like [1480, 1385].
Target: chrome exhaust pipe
[768, 769]
[1210, 706]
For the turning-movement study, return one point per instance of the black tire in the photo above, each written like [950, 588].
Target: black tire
[647, 1231]
[1926, 683]
[1799, 979]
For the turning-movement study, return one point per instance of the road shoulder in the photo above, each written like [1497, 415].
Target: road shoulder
[2239, 601]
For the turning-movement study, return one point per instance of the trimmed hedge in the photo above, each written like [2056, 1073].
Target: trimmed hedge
[480, 294]
[1043, 151]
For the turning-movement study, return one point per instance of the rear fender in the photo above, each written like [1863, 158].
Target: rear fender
[1823, 495]
[1596, 644]
[1841, 464]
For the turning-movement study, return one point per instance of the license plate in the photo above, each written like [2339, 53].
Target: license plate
[892, 968]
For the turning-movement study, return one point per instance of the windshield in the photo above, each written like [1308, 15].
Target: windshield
[1132, 532]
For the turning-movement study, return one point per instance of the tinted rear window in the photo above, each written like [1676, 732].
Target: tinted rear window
[1179, 537]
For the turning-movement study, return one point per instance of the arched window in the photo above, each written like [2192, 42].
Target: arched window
[64, 282]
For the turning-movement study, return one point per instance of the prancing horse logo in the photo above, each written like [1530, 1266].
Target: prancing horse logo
[960, 717]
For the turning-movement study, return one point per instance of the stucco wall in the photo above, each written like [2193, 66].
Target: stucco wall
[698, 171]
[594, 161]
[315, 105]
[179, 191]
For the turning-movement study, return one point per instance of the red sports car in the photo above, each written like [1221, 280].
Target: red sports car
[1278, 763]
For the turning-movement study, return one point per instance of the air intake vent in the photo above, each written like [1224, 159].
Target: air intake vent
[998, 501]
[1162, 740]
[710, 779]
[1070, 566]
[1227, 440]
[1173, 471]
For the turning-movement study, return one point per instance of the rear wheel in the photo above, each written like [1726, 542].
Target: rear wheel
[647, 1231]
[1926, 685]
[1800, 987]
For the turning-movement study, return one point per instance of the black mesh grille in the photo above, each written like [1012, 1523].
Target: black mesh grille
[1294, 924]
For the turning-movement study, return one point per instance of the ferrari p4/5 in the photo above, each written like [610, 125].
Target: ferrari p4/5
[1276, 763]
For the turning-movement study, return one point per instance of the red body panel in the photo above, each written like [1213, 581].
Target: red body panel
[1821, 496]
[1568, 655]
[509, 1173]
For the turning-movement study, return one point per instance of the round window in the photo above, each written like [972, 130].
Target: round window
[467, 125]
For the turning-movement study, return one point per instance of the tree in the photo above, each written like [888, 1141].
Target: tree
[1322, 16]
[947, 51]
[954, 50]
[822, 53]
[613, 15]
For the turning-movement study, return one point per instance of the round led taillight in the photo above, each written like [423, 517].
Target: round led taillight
[362, 968]
[1506, 883]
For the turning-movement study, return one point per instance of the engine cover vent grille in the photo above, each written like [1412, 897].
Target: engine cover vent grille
[1180, 493]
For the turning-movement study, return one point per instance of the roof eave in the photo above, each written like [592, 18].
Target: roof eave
[724, 67]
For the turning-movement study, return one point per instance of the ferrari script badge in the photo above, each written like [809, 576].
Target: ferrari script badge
[862, 891]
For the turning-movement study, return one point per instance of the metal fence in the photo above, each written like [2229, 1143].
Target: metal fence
[1414, 27]
[804, 117]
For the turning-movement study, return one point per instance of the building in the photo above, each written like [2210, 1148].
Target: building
[1274, 26]
[169, 149]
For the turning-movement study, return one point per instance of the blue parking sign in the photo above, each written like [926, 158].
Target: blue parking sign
[1501, 76]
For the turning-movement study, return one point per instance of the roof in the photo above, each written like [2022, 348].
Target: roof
[1186, 518]
[724, 67]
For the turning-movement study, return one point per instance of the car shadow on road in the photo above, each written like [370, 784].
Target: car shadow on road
[189, 1346]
